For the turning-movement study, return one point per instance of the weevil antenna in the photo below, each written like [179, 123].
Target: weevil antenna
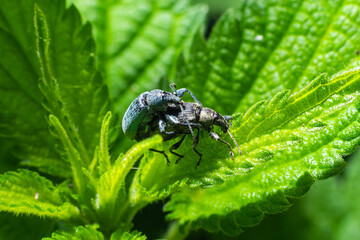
[234, 141]
[173, 86]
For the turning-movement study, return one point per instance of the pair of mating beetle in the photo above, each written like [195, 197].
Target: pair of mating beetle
[166, 114]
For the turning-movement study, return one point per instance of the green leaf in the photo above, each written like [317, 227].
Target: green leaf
[78, 233]
[71, 153]
[73, 88]
[265, 47]
[25, 192]
[287, 144]
[104, 158]
[134, 235]
[22, 117]
[111, 193]
[139, 40]
[62, 100]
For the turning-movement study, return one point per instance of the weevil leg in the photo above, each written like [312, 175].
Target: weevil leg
[176, 146]
[182, 91]
[217, 138]
[162, 127]
[163, 153]
[172, 119]
[196, 141]
[175, 121]
[173, 86]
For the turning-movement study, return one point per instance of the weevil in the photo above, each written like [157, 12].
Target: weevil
[193, 116]
[147, 106]
[165, 113]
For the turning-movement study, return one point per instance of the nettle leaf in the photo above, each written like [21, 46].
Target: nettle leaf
[266, 47]
[71, 153]
[268, 131]
[139, 40]
[26, 192]
[22, 116]
[74, 93]
[104, 158]
[78, 233]
[134, 235]
[150, 185]
[287, 143]
[73, 88]
[111, 186]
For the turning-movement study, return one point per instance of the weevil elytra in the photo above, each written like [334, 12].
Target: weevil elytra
[165, 113]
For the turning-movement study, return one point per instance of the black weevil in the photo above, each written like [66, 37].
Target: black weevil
[192, 116]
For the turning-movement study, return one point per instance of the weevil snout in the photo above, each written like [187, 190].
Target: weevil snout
[221, 122]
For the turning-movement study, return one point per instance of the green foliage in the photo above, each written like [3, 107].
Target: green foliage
[266, 62]
[20, 96]
[330, 211]
[139, 40]
[134, 235]
[269, 46]
[25, 192]
[110, 187]
[78, 233]
[73, 89]
[282, 154]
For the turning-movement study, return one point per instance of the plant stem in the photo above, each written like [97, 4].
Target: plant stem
[174, 233]
[128, 212]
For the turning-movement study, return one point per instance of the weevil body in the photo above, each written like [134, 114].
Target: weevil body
[147, 106]
[165, 113]
[197, 117]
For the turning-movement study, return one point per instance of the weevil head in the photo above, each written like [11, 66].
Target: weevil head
[220, 121]
[209, 117]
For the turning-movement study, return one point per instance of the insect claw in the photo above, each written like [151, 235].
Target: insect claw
[198, 163]
[232, 155]
[163, 153]
[167, 159]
